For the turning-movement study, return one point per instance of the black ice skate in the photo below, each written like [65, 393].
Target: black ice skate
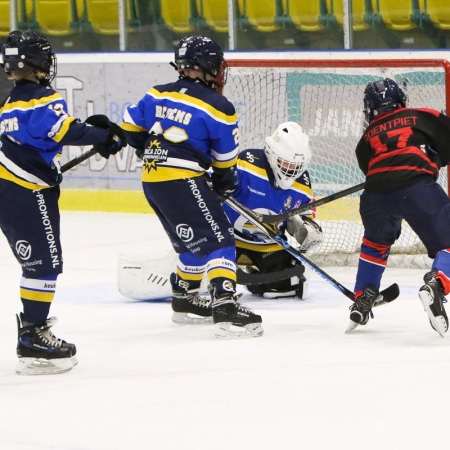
[432, 297]
[228, 313]
[361, 310]
[185, 305]
[40, 352]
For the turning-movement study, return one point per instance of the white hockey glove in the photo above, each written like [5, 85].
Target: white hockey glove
[305, 231]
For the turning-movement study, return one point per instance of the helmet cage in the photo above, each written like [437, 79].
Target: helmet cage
[382, 96]
[288, 153]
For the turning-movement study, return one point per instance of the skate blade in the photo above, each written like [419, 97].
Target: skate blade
[185, 319]
[351, 326]
[226, 330]
[41, 366]
[438, 322]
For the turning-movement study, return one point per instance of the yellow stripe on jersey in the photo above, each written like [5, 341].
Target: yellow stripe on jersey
[63, 129]
[36, 296]
[31, 104]
[196, 103]
[5, 174]
[255, 170]
[127, 126]
[224, 164]
[161, 173]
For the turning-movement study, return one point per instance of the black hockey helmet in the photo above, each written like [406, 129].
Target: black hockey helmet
[28, 51]
[201, 53]
[382, 96]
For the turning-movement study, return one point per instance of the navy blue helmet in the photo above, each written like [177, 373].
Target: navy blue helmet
[203, 54]
[382, 96]
[28, 51]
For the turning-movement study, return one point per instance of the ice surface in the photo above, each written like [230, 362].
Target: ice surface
[145, 383]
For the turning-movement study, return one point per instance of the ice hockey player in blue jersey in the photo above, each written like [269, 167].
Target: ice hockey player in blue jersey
[181, 130]
[401, 153]
[34, 126]
[271, 181]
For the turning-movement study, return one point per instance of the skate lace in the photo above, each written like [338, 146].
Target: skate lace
[197, 300]
[47, 336]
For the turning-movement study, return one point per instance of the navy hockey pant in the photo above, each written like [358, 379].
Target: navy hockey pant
[31, 223]
[425, 206]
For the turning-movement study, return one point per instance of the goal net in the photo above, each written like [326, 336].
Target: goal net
[326, 98]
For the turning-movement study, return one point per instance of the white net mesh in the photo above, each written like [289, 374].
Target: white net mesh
[328, 104]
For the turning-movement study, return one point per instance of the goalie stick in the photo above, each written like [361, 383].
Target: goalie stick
[387, 295]
[269, 218]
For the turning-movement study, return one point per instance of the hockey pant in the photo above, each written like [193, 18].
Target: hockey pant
[31, 223]
[426, 208]
[198, 229]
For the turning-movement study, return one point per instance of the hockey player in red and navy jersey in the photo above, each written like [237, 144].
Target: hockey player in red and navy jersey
[271, 181]
[401, 153]
[34, 126]
[181, 130]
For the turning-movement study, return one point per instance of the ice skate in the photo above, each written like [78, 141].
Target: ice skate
[190, 308]
[40, 352]
[432, 297]
[361, 310]
[233, 320]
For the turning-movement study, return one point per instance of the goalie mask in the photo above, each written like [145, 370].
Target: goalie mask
[288, 153]
[29, 51]
[203, 54]
[382, 96]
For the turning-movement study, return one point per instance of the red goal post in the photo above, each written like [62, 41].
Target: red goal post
[326, 98]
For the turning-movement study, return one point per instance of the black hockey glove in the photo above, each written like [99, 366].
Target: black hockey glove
[116, 138]
[224, 182]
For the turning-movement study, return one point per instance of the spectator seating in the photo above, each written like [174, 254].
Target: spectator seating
[399, 15]
[305, 15]
[214, 13]
[260, 14]
[178, 16]
[4, 18]
[56, 17]
[437, 12]
[361, 10]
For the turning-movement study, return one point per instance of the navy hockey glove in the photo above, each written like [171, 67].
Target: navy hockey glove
[116, 138]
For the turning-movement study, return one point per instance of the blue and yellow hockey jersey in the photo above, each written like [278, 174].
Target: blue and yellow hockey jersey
[257, 192]
[34, 126]
[182, 129]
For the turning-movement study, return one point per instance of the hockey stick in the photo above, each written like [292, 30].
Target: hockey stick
[387, 295]
[268, 218]
[79, 159]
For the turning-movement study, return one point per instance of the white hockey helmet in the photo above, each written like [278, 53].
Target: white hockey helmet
[288, 153]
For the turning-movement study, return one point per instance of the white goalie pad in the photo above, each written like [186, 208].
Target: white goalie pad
[144, 277]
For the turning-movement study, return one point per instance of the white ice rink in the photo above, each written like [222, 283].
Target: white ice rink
[145, 383]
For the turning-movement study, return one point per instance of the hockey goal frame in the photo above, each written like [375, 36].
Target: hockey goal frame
[410, 64]
[348, 63]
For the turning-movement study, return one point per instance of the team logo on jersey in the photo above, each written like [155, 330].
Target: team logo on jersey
[184, 232]
[250, 157]
[288, 204]
[23, 250]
